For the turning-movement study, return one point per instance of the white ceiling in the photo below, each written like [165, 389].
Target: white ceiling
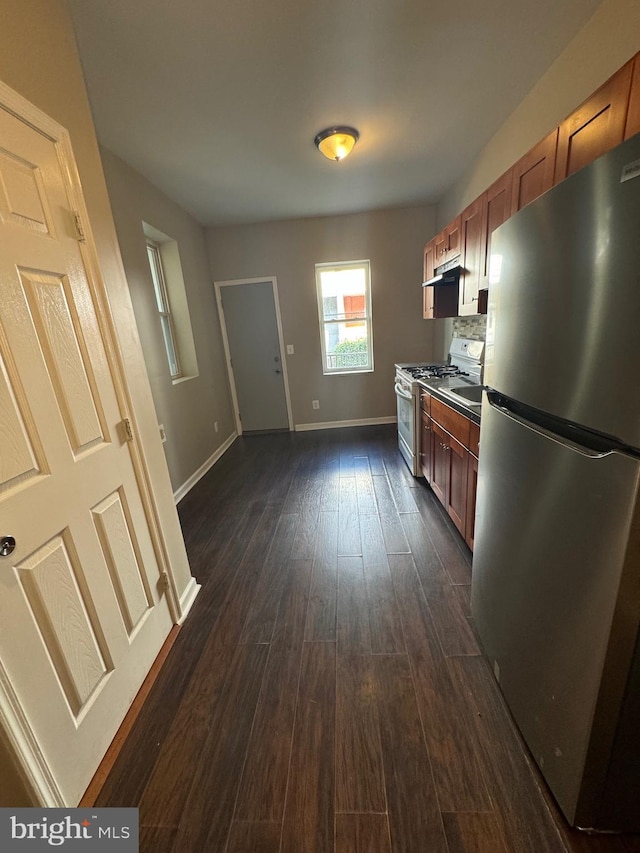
[217, 102]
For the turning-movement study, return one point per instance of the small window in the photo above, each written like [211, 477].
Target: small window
[164, 309]
[344, 308]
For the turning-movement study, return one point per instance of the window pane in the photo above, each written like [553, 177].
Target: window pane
[346, 345]
[174, 367]
[156, 274]
[344, 293]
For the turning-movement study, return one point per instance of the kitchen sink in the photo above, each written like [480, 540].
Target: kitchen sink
[471, 395]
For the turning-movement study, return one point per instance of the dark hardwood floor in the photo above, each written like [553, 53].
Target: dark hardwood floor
[327, 693]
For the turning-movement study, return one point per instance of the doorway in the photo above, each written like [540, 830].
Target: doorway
[254, 350]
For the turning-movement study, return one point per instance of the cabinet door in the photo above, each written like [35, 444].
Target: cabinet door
[533, 173]
[439, 301]
[439, 462]
[498, 211]
[595, 127]
[472, 485]
[440, 248]
[429, 265]
[426, 448]
[633, 116]
[452, 239]
[456, 504]
[472, 235]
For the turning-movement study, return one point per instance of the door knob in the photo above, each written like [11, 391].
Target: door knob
[7, 544]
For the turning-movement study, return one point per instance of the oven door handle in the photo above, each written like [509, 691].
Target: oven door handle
[400, 392]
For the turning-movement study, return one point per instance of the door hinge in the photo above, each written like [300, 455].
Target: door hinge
[127, 429]
[80, 236]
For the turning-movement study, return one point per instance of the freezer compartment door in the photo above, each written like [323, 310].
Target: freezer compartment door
[550, 561]
[564, 300]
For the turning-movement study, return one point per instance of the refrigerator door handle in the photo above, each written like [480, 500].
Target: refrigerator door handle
[579, 439]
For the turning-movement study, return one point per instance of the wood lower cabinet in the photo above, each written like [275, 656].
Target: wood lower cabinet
[426, 438]
[447, 462]
[596, 126]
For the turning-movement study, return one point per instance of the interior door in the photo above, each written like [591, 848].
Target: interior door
[81, 607]
[254, 346]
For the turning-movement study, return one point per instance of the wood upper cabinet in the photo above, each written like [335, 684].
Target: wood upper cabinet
[429, 265]
[533, 174]
[472, 252]
[596, 126]
[498, 211]
[439, 301]
[633, 115]
[447, 243]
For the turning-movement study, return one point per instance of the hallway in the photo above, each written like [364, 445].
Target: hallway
[327, 692]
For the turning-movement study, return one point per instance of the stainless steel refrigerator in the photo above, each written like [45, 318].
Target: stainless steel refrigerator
[556, 564]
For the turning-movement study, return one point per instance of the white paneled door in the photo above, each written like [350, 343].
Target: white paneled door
[82, 612]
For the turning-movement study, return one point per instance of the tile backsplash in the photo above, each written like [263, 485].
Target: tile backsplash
[470, 327]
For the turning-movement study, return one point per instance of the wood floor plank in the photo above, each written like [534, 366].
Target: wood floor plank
[384, 618]
[364, 486]
[233, 613]
[415, 822]
[260, 620]
[452, 625]
[262, 791]
[362, 833]
[451, 548]
[304, 544]
[450, 733]
[165, 794]
[157, 839]
[321, 613]
[359, 768]
[400, 480]
[349, 544]
[254, 838]
[354, 635]
[309, 812]
[474, 832]
[394, 537]
[206, 818]
[528, 824]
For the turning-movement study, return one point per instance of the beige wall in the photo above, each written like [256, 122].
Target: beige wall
[608, 40]
[39, 60]
[189, 408]
[393, 241]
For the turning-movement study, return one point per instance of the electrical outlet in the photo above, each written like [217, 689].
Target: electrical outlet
[289, 349]
[215, 426]
[163, 435]
[315, 404]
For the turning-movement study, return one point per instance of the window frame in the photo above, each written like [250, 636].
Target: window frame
[339, 266]
[164, 308]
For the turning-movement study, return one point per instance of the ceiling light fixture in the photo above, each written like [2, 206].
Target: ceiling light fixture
[336, 142]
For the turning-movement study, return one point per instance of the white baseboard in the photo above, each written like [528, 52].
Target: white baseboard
[338, 424]
[187, 598]
[182, 490]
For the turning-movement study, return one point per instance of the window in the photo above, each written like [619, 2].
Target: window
[344, 309]
[164, 309]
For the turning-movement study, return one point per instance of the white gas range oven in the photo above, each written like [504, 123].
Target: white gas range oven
[464, 364]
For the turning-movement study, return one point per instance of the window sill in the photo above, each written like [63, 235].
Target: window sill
[348, 372]
[182, 379]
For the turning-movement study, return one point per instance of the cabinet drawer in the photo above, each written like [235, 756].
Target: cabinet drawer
[425, 401]
[474, 438]
[454, 423]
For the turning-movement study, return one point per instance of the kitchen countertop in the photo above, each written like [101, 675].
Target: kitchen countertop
[440, 387]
